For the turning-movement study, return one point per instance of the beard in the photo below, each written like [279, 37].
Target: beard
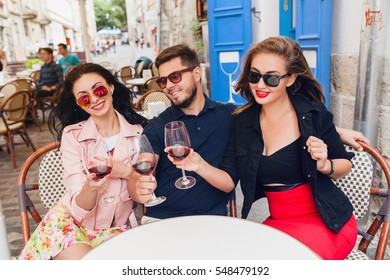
[188, 100]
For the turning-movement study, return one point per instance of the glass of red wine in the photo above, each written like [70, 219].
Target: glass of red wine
[143, 161]
[179, 144]
[99, 161]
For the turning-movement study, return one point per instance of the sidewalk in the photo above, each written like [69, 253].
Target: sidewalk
[124, 55]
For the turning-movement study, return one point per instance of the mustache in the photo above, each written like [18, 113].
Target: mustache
[175, 88]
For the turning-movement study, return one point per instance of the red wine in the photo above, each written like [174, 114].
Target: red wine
[179, 152]
[101, 170]
[144, 167]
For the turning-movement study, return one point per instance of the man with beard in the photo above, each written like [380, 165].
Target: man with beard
[208, 124]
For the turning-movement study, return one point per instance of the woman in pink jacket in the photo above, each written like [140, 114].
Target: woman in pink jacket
[92, 105]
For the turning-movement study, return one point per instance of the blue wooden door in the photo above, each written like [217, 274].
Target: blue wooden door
[287, 18]
[313, 33]
[230, 36]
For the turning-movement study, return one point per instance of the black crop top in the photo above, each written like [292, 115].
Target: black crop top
[282, 167]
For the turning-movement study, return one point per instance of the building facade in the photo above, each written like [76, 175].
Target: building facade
[27, 25]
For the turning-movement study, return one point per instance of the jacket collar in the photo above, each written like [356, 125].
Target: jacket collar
[89, 129]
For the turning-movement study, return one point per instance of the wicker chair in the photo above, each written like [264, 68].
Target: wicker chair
[152, 96]
[49, 185]
[357, 185]
[13, 111]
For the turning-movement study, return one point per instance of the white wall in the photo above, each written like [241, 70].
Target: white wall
[269, 16]
[346, 25]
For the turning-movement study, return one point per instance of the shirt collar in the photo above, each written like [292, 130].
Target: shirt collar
[209, 104]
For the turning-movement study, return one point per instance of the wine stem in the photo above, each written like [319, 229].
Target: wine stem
[184, 180]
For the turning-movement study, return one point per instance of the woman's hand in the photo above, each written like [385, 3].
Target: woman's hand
[120, 170]
[319, 152]
[94, 184]
[192, 162]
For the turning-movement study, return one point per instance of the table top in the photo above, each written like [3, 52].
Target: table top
[136, 82]
[202, 237]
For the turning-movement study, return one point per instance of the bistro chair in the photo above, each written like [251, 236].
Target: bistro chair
[31, 86]
[152, 96]
[8, 88]
[13, 111]
[34, 75]
[358, 186]
[154, 69]
[125, 73]
[44, 188]
[150, 84]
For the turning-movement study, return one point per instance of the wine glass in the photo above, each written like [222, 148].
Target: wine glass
[99, 161]
[143, 161]
[178, 140]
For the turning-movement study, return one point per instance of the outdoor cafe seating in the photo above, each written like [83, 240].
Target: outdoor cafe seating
[358, 186]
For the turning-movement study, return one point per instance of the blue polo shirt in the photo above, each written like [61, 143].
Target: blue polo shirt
[209, 134]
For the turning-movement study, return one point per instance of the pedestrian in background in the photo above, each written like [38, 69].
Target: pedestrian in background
[67, 60]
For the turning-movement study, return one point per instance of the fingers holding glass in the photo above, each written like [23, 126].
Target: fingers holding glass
[178, 141]
[99, 162]
[143, 161]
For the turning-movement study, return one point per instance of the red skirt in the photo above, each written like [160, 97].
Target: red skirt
[294, 212]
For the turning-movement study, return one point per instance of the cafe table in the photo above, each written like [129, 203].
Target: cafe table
[200, 238]
[136, 82]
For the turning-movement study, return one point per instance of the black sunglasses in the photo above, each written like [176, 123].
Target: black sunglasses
[269, 80]
[174, 77]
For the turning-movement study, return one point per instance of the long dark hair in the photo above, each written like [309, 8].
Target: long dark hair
[291, 52]
[68, 112]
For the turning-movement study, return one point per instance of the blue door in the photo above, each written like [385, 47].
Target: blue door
[313, 28]
[230, 36]
[287, 18]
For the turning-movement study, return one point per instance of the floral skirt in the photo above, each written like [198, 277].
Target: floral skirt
[58, 230]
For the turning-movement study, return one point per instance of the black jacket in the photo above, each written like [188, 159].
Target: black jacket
[243, 158]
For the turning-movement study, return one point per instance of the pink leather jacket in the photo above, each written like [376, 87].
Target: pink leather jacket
[103, 214]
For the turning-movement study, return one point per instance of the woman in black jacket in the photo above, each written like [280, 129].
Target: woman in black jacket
[284, 146]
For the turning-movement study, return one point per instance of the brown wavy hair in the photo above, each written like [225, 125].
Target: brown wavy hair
[296, 63]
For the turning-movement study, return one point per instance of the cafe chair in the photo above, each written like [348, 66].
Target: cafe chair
[125, 73]
[152, 96]
[44, 188]
[138, 69]
[31, 86]
[150, 84]
[8, 88]
[154, 69]
[358, 186]
[13, 111]
[34, 75]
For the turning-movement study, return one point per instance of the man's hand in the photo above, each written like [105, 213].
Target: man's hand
[349, 137]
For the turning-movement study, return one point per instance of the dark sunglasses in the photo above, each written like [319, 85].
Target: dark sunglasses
[174, 77]
[85, 99]
[269, 80]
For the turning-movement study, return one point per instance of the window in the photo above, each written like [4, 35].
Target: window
[201, 9]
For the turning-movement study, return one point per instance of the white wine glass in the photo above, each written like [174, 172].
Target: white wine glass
[179, 144]
[143, 161]
[99, 161]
